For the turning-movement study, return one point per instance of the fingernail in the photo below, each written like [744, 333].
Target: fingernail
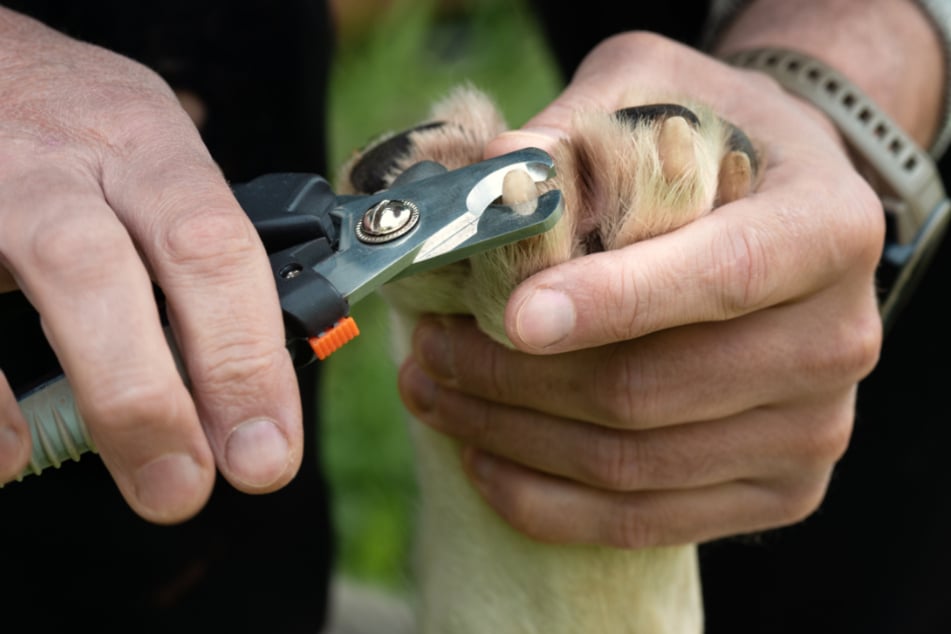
[433, 348]
[545, 318]
[164, 483]
[418, 388]
[257, 452]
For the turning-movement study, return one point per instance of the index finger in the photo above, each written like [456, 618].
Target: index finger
[222, 303]
[77, 265]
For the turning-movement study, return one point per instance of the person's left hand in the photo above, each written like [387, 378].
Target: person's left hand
[687, 387]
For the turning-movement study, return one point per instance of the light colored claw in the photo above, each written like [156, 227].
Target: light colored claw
[519, 192]
[736, 177]
[675, 147]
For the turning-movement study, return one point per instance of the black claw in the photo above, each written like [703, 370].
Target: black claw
[369, 174]
[655, 111]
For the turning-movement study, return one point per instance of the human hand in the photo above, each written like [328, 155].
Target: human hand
[691, 386]
[104, 184]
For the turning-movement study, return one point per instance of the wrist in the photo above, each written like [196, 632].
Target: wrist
[906, 79]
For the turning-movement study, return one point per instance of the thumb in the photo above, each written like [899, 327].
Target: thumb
[666, 281]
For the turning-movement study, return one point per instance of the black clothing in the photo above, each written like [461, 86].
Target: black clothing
[875, 557]
[245, 563]
[872, 559]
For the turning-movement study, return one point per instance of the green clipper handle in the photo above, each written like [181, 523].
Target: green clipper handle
[57, 429]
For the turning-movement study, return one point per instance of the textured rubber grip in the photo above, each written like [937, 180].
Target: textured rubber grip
[58, 431]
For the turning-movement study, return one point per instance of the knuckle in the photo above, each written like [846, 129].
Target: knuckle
[626, 388]
[797, 499]
[65, 245]
[869, 222]
[851, 349]
[235, 365]
[209, 239]
[132, 96]
[827, 441]
[631, 296]
[611, 462]
[121, 405]
[739, 272]
[614, 381]
[633, 293]
[499, 381]
[861, 344]
[513, 504]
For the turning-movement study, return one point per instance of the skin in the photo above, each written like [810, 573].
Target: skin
[702, 383]
[105, 187]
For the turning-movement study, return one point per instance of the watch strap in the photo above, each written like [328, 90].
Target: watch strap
[916, 203]
[721, 14]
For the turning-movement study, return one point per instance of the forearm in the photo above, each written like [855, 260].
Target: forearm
[888, 48]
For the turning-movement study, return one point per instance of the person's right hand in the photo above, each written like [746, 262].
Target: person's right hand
[105, 186]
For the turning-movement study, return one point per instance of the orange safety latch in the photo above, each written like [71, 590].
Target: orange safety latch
[332, 339]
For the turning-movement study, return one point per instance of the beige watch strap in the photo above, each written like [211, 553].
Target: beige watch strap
[939, 13]
[918, 206]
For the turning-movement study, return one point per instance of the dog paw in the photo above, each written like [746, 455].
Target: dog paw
[628, 175]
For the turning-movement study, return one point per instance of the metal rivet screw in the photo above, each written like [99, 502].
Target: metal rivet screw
[387, 220]
[291, 271]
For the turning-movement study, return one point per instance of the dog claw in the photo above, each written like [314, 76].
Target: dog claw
[736, 177]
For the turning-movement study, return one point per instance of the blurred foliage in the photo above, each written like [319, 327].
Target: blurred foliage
[392, 63]
[388, 72]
